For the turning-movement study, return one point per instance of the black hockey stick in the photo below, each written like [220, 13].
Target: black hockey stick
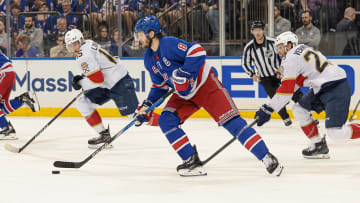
[353, 114]
[66, 164]
[11, 148]
[229, 142]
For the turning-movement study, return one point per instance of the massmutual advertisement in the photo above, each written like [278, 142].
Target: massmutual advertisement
[51, 79]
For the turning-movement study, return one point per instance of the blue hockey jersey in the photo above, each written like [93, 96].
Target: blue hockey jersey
[172, 54]
[5, 63]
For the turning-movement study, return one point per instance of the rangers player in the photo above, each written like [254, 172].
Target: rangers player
[174, 63]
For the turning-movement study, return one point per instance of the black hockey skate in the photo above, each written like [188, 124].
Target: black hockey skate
[319, 151]
[192, 166]
[8, 133]
[97, 142]
[287, 122]
[273, 166]
[30, 100]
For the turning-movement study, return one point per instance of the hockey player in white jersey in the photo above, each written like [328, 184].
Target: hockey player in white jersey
[330, 91]
[103, 78]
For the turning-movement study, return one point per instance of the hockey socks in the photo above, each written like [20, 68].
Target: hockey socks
[95, 122]
[248, 137]
[355, 127]
[3, 121]
[10, 106]
[169, 124]
[312, 132]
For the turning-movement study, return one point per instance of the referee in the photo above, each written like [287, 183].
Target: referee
[261, 52]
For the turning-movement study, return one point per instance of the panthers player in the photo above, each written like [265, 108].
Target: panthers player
[103, 78]
[7, 82]
[330, 91]
[178, 64]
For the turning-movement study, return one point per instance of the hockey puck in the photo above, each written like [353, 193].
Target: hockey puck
[55, 172]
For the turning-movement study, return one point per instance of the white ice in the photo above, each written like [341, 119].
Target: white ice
[141, 166]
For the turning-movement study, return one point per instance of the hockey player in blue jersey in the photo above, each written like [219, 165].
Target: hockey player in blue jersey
[174, 63]
[7, 82]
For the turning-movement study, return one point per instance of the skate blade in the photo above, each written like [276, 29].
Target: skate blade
[36, 104]
[278, 171]
[9, 137]
[191, 173]
[91, 146]
[318, 156]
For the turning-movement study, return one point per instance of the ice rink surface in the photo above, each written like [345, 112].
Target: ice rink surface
[141, 166]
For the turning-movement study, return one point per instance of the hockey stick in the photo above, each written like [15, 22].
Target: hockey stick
[228, 143]
[353, 114]
[18, 150]
[66, 164]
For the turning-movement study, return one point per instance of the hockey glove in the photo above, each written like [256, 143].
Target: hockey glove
[75, 82]
[140, 113]
[181, 80]
[263, 114]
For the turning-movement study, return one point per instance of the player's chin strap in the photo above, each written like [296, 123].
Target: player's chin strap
[150, 40]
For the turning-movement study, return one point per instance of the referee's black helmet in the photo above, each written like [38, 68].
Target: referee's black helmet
[257, 24]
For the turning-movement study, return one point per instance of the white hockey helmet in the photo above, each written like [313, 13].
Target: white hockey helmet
[286, 37]
[72, 36]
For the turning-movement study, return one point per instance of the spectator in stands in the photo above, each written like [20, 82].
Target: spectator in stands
[60, 50]
[281, 24]
[91, 9]
[25, 48]
[59, 6]
[71, 19]
[24, 5]
[61, 26]
[212, 14]
[17, 21]
[46, 22]
[114, 45]
[36, 35]
[2, 7]
[103, 38]
[3, 36]
[347, 32]
[308, 34]
[325, 9]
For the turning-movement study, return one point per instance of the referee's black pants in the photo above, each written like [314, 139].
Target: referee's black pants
[270, 85]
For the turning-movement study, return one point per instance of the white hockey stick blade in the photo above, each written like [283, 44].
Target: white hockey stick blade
[11, 148]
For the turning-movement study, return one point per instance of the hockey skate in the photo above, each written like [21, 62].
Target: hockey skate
[30, 99]
[318, 150]
[287, 122]
[192, 166]
[8, 133]
[272, 164]
[97, 142]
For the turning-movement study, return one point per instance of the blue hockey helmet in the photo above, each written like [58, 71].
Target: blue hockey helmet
[148, 23]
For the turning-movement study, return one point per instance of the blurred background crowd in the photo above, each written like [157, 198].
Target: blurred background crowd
[36, 28]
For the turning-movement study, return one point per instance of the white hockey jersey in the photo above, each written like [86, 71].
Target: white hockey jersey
[100, 68]
[304, 67]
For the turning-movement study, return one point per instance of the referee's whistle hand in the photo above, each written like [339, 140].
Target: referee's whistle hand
[255, 78]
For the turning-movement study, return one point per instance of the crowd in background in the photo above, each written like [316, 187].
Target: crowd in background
[37, 27]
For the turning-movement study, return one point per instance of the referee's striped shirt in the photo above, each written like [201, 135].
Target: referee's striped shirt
[264, 57]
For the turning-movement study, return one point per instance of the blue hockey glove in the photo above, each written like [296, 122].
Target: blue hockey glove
[140, 113]
[263, 114]
[75, 82]
[181, 80]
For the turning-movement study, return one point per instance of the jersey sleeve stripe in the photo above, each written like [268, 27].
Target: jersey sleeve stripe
[192, 48]
[287, 87]
[163, 85]
[96, 76]
[300, 80]
[197, 52]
